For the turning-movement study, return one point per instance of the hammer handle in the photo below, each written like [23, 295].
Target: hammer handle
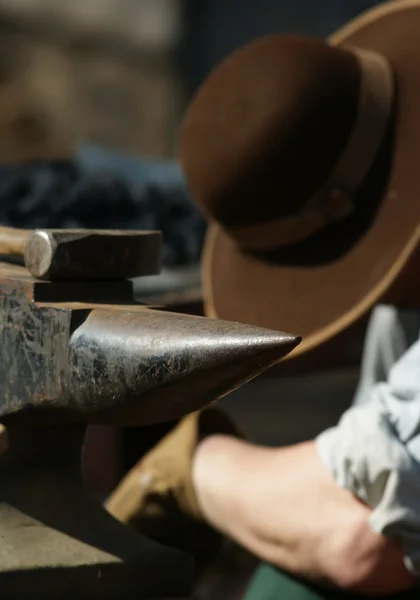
[13, 241]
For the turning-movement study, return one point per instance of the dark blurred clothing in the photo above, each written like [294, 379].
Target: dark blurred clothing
[108, 190]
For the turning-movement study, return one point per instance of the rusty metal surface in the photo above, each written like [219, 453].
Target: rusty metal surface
[80, 254]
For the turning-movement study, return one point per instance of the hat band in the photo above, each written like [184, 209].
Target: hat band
[334, 200]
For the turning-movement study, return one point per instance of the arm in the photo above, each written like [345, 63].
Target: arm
[284, 506]
[287, 507]
[325, 510]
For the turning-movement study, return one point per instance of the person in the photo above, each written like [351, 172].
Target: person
[303, 155]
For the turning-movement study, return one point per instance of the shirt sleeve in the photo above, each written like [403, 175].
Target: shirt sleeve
[374, 451]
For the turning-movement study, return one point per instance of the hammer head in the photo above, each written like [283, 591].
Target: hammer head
[92, 254]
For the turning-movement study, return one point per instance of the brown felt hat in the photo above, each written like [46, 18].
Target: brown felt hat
[305, 156]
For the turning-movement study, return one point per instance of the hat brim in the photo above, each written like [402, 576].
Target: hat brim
[318, 302]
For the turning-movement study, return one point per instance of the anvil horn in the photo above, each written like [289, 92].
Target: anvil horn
[154, 366]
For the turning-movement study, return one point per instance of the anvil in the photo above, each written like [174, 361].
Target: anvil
[73, 353]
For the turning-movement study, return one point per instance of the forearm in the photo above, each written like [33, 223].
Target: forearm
[284, 506]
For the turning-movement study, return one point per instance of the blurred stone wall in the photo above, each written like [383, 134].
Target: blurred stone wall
[124, 54]
[121, 61]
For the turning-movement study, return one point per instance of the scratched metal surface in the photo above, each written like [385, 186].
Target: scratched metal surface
[33, 351]
[130, 366]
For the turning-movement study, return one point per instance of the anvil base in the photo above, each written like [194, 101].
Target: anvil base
[57, 542]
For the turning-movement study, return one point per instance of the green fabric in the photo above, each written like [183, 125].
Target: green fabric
[270, 583]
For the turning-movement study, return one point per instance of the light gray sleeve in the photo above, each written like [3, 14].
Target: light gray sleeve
[374, 451]
[390, 333]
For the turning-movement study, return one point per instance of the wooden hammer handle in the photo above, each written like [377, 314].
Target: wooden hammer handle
[13, 241]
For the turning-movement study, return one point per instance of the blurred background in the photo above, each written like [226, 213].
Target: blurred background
[135, 63]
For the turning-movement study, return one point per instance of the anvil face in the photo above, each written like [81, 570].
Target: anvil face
[124, 364]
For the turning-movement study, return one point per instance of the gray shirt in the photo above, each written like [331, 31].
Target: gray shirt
[374, 451]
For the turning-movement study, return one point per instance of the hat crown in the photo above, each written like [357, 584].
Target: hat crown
[266, 128]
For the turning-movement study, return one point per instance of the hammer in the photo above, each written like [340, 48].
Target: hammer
[83, 254]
